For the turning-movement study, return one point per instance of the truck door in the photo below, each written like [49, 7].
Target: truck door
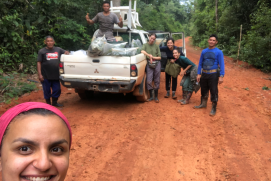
[179, 41]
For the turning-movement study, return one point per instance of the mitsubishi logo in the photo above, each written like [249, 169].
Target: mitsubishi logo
[96, 71]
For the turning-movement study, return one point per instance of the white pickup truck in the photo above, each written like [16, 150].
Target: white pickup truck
[114, 74]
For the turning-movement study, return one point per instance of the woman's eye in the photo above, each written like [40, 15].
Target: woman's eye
[57, 150]
[25, 150]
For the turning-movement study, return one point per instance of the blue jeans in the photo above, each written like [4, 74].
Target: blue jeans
[47, 85]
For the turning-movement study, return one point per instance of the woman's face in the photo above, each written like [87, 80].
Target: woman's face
[35, 148]
[176, 54]
[170, 44]
[152, 39]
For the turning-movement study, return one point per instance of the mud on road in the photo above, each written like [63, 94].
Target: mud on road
[117, 138]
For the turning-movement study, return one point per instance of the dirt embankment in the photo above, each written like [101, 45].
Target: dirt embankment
[116, 138]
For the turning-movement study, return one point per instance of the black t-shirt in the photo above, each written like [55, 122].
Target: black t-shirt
[50, 59]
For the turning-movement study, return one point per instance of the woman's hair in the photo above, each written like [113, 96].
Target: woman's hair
[152, 34]
[37, 111]
[178, 50]
[170, 38]
[29, 108]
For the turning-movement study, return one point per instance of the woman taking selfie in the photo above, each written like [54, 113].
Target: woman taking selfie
[35, 143]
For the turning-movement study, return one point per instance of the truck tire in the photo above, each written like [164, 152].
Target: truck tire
[144, 97]
[85, 94]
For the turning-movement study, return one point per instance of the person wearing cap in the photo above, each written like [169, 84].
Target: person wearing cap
[48, 70]
[211, 71]
[106, 21]
[35, 141]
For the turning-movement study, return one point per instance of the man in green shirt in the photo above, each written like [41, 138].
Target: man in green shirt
[152, 51]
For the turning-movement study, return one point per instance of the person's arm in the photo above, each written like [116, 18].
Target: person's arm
[64, 52]
[89, 21]
[39, 67]
[200, 67]
[158, 55]
[186, 61]
[222, 66]
[120, 24]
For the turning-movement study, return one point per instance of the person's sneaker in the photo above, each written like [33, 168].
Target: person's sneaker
[168, 94]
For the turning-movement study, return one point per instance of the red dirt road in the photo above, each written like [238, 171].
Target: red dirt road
[116, 138]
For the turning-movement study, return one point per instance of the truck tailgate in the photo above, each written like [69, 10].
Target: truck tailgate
[98, 68]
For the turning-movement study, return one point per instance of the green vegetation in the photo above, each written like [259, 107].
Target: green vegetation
[253, 15]
[13, 86]
[266, 88]
[25, 23]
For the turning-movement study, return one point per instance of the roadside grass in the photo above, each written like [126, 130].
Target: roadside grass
[13, 85]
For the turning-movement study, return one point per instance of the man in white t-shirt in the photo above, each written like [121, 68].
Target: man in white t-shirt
[106, 21]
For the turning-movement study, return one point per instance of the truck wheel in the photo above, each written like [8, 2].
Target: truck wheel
[85, 94]
[144, 97]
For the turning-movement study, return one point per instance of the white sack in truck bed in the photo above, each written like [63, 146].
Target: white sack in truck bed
[96, 47]
[124, 51]
[107, 50]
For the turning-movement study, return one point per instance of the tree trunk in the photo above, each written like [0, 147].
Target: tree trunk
[116, 2]
[216, 14]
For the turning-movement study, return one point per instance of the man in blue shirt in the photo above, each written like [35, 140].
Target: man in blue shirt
[211, 71]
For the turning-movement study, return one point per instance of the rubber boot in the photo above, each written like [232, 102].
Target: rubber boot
[48, 101]
[156, 95]
[184, 97]
[151, 95]
[168, 94]
[203, 103]
[54, 102]
[213, 111]
[173, 95]
[188, 96]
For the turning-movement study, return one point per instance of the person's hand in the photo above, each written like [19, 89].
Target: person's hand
[87, 17]
[41, 78]
[67, 53]
[198, 78]
[182, 73]
[120, 19]
[220, 81]
[172, 61]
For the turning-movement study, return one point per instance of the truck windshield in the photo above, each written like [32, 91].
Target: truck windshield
[125, 36]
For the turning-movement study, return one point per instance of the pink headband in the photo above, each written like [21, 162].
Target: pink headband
[10, 114]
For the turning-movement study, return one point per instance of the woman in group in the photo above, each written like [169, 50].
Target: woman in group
[152, 51]
[169, 51]
[35, 141]
[189, 74]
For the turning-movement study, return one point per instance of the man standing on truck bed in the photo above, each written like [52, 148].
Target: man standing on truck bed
[106, 21]
[48, 70]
